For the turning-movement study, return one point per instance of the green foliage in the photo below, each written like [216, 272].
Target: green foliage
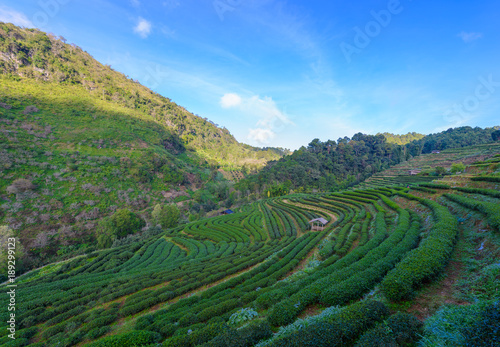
[491, 210]
[451, 138]
[469, 325]
[6, 236]
[166, 216]
[338, 330]
[122, 223]
[246, 336]
[428, 259]
[485, 331]
[486, 179]
[495, 135]
[457, 167]
[133, 339]
[402, 139]
[327, 165]
[401, 329]
[243, 315]
[126, 222]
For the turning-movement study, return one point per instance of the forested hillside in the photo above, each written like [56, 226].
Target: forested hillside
[37, 59]
[402, 139]
[329, 165]
[334, 165]
[451, 138]
[80, 142]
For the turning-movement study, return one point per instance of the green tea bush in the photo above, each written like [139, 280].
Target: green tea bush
[428, 259]
[243, 315]
[246, 336]
[131, 339]
[340, 329]
[486, 178]
[491, 210]
[400, 329]
[485, 331]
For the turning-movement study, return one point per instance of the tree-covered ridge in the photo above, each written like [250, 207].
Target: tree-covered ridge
[333, 165]
[402, 139]
[329, 165]
[452, 138]
[44, 59]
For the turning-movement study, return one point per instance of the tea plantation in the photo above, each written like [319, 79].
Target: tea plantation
[262, 277]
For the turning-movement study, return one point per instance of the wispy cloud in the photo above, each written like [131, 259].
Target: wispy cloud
[171, 4]
[135, 3]
[469, 37]
[143, 28]
[169, 33]
[8, 15]
[270, 119]
[230, 100]
[261, 135]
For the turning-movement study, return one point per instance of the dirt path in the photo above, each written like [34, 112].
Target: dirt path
[433, 297]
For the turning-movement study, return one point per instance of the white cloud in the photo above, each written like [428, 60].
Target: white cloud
[135, 3]
[270, 120]
[267, 111]
[261, 135]
[8, 15]
[143, 28]
[469, 37]
[230, 100]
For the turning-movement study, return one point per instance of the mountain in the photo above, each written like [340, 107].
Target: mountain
[64, 74]
[80, 142]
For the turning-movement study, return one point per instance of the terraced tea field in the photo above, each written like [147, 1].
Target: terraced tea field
[383, 249]
[399, 174]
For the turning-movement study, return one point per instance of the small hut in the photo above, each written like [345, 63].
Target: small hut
[226, 212]
[318, 224]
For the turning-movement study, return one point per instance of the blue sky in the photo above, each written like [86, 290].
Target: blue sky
[281, 73]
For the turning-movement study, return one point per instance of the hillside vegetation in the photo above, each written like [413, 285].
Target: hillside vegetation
[91, 141]
[333, 165]
[377, 275]
[45, 61]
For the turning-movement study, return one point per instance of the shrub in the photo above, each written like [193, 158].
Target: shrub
[243, 315]
[247, 336]
[339, 329]
[486, 330]
[401, 329]
[428, 259]
[19, 186]
[131, 339]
